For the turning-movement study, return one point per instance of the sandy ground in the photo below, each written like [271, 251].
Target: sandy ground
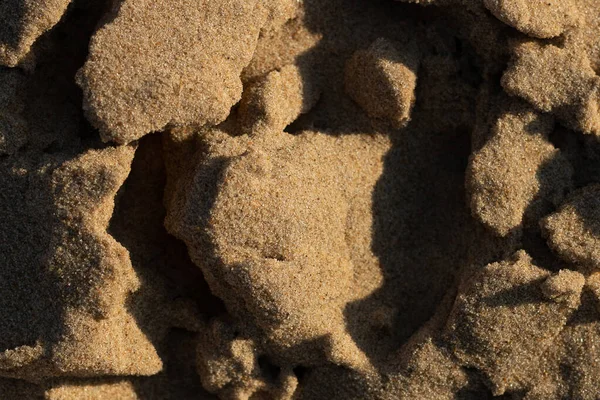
[300, 199]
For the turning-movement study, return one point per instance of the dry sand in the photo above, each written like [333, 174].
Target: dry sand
[300, 199]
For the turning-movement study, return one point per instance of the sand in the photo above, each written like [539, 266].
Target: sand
[192, 52]
[518, 175]
[300, 199]
[23, 22]
[382, 80]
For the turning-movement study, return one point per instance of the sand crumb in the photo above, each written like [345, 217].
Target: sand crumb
[382, 80]
[206, 46]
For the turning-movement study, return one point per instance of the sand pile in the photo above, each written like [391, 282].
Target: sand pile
[300, 199]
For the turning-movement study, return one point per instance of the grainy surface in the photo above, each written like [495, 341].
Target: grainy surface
[178, 63]
[22, 22]
[299, 199]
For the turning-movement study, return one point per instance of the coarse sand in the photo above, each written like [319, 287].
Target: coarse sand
[300, 199]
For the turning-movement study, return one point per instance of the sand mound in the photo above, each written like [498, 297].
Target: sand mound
[268, 237]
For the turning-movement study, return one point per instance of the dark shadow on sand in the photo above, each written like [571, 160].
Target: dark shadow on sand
[11, 16]
[163, 265]
[32, 293]
[323, 65]
[419, 211]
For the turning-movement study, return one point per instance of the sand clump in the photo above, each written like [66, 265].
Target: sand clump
[518, 173]
[23, 22]
[539, 18]
[252, 259]
[230, 366]
[82, 274]
[555, 80]
[206, 46]
[572, 230]
[527, 305]
[104, 391]
[285, 199]
[276, 100]
[382, 80]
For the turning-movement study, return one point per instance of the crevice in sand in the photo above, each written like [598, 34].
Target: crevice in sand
[173, 292]
[583, 152]
[538, 249]
[532, 240]
[269, 370]
[179, 378]
[53, 100]
[416, 220]
[307, 122]
[138, 225]
[588, 312]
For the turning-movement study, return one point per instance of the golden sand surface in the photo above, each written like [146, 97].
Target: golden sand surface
[300, 199]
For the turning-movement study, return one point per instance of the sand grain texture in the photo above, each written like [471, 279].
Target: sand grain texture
[526, 317]
[103, 391]
[181, 64]
[276, 100]
[82, 326]
[255, 257]
[382, 80]
[282, 199]
[556, 80]
[573, 230]
[518, 174]
[538, 18]
[22, 23]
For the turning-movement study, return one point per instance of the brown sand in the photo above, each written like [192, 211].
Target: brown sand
[22, 22]
[282, 199]
[572, 230]
[104, 391]
[182, 52]
[518, 174]
[527, 306]
[556, 80]
[382, 80]
[537, 18]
